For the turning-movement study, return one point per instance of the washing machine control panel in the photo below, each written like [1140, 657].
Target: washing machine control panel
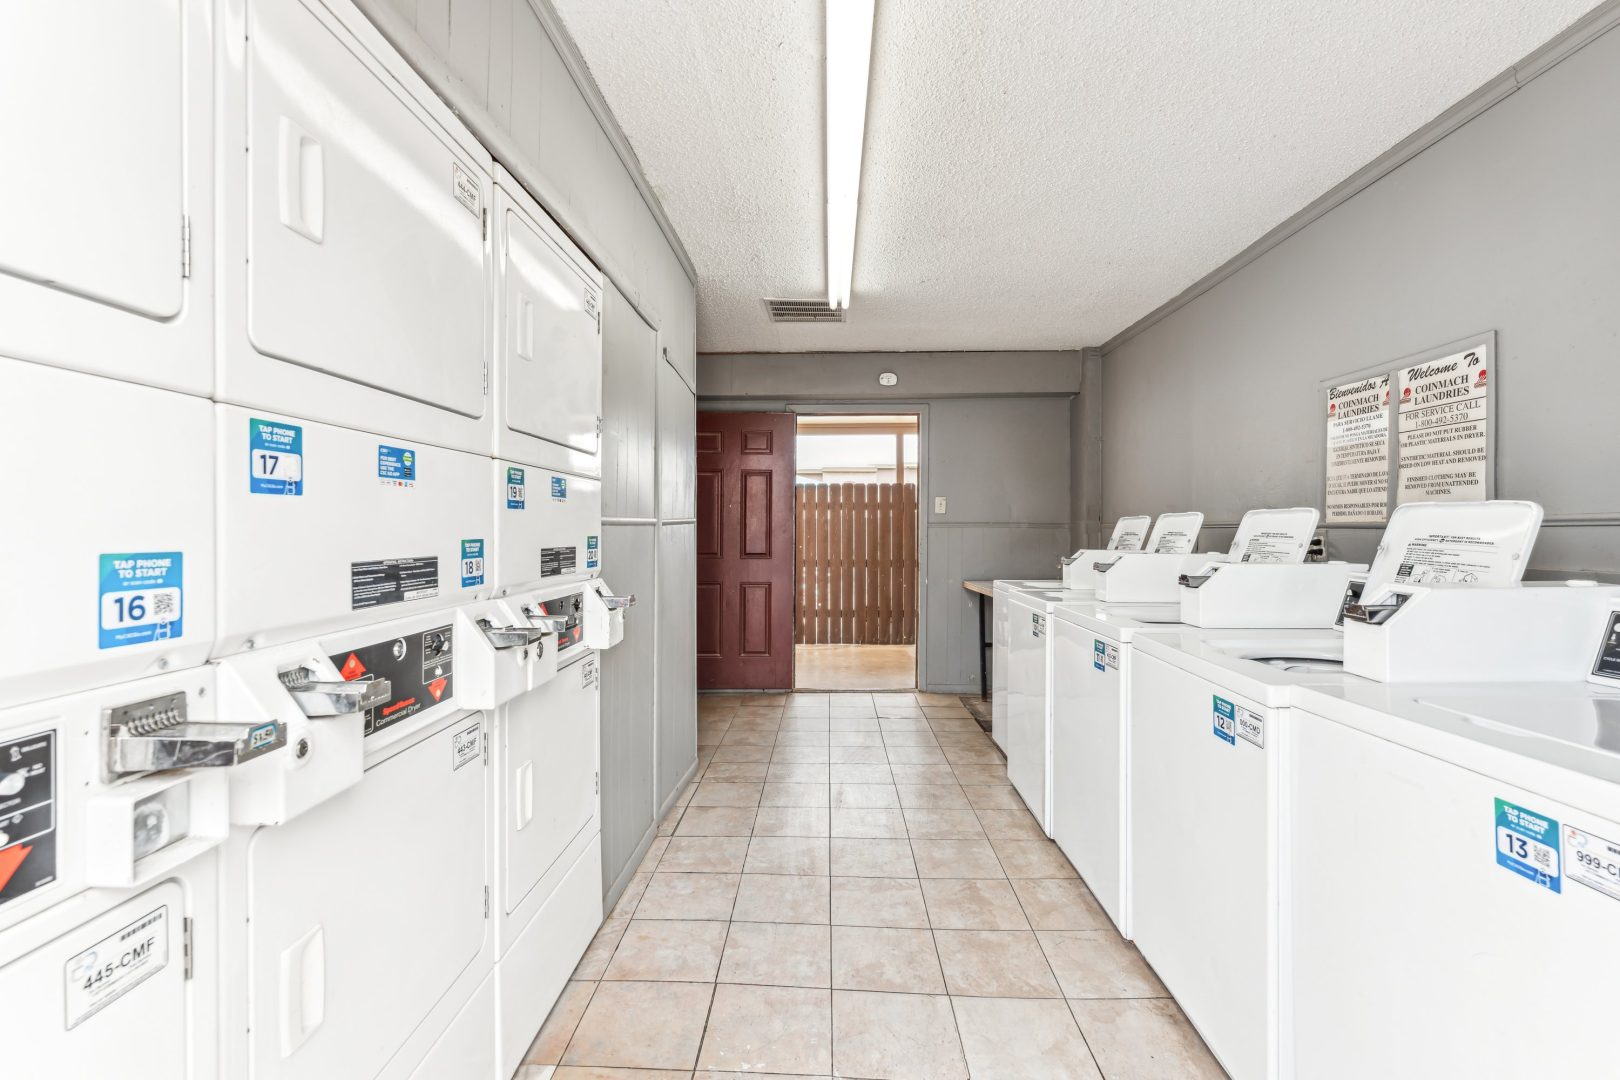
[1606, 665]
[420, 667]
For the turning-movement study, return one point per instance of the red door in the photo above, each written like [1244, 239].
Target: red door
[745, 550]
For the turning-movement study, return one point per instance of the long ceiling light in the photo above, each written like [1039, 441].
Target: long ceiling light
[849, 67]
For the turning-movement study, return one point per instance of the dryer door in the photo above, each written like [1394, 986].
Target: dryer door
[550, 759]
[365, 911]
[107, 997]
[100, 152]
[366, 297]
[552, 350]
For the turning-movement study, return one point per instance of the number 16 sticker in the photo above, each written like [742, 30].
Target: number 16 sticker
[141, 598]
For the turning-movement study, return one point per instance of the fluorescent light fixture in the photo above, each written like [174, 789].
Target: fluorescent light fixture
[849, 67]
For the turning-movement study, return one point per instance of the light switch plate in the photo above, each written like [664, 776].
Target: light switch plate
[940, 503]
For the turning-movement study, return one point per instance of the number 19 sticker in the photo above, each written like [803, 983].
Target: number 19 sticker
[141, 598]
[275, 458]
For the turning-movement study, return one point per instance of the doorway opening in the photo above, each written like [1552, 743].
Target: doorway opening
[856, 569]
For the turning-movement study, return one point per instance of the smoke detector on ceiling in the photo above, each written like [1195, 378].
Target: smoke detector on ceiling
[888, 378]
[803, 311]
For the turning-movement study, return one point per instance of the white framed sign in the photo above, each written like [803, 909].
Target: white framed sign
[1421, 429]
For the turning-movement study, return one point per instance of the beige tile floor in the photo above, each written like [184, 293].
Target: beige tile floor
[850, 888]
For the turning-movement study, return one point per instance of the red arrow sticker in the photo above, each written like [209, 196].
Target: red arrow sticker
[436, 688]
[352, 668]
[10, 860]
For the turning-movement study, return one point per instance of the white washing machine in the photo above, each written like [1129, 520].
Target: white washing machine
[1029, 693]
[1210, 720]
[548, 345]
[1453, 875]
[1029, 654]
[1091, 741]
[355, 269]
[357, 877]
[113, 803]
[109, 274]
[1001, 594]
[110, 531]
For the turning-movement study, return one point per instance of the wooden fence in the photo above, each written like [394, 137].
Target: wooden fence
[856, 564]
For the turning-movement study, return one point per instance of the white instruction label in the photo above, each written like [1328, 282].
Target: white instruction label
[1037, 626]
[115, 965]
[1251, 726]
[468, 193]
[1466, 560]
[466, 746]
[1592, 861]
[588, 672]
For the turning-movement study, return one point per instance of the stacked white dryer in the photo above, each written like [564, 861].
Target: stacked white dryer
[109, 853]
[547, 572]
[353, 432]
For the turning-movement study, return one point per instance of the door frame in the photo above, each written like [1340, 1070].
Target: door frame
[925, 501]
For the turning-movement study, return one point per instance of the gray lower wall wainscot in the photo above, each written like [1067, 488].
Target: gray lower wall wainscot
[630, 791]
[1507, 223]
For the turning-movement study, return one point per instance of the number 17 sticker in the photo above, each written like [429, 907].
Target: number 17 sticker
[275, 458]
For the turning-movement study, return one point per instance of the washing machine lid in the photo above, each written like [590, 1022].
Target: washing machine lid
[1175, 534]
[1130, 533]
[1264, 665]
[1047, 600]
[1561, 740]
[1274, 536]
[1119, 621]
[1011, 585]
[1470, 543]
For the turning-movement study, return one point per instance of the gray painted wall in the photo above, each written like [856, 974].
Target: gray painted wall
[1002, 462]
[631, 793]
[1508, 223]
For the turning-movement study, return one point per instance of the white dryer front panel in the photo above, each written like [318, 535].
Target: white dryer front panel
[356, 260]
[367, 911]
[374, 528]
[109, 532]
[106, 262]
[548, 527]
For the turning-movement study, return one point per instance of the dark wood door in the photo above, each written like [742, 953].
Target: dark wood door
[745, 550]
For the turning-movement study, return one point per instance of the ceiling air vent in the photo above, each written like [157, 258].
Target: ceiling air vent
[803, 310]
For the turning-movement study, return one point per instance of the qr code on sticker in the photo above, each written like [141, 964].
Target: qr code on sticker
[1542, 854]
[163, 607]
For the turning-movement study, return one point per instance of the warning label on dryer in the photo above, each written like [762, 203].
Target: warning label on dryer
[419, 667]
[557, 561]
[392, 581]
[27, 815]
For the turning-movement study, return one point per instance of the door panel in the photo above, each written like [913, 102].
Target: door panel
[745, 550]
[629, 703]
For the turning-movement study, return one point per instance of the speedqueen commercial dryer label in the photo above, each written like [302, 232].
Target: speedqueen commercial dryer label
[1358, 451]
[115, 965]
[1527, 844]
[1444, 442]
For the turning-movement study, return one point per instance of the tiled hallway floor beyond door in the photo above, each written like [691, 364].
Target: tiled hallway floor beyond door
[852, 889]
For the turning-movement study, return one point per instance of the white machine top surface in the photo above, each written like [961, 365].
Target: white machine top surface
[1118, 621]
[1467, 543]
[1003, 585]
[1264, 665]
[1047, 599]
[1175, 534]
[1559, 739]
[1275, 536]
